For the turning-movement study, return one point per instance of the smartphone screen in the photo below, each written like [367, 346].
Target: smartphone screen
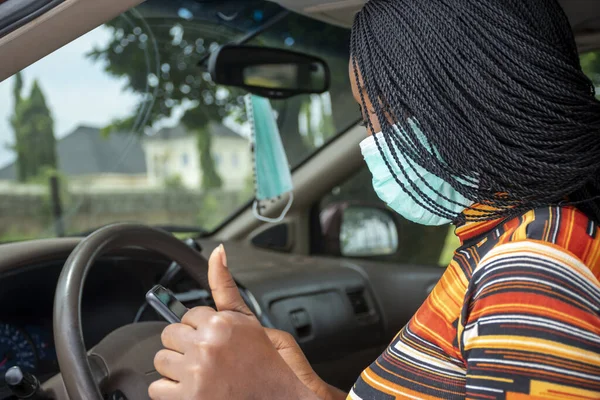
[165, 303]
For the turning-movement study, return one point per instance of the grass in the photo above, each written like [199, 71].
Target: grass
[16, 237]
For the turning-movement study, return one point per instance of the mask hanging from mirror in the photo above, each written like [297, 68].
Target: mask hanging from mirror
[272, 175]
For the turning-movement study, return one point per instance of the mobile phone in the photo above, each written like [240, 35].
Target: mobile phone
[165, 303]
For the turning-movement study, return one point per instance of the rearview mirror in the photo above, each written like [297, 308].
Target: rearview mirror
[269, 72]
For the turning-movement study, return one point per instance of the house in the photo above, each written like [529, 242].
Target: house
[125, 161]
[94, 161]
[173, 152]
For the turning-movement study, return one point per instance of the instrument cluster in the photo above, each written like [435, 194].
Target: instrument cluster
[30, 347]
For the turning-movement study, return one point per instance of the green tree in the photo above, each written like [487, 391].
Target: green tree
[158, 57]
[18, 88]
[210, 176]
[33, 126]
[174, 183]
[590, 63]
[157, 54]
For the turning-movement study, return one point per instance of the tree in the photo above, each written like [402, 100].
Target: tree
[33, 126]
[590, 63]
[210, 176]
[159, 63]
[158, 56]
[18, 88]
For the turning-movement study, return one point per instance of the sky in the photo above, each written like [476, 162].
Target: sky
[77, 91]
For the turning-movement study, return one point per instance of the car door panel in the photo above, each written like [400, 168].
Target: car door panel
[400, 290]
[352, 308]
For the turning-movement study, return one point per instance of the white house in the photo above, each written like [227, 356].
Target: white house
[173, 152]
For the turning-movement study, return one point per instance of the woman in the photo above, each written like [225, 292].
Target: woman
[478, 113]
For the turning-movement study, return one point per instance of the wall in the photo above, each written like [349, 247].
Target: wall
[28, 215]
[165, 158]
[234, 161]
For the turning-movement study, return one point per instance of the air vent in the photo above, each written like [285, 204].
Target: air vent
[274, 238]
[196, 298]
[359, 302]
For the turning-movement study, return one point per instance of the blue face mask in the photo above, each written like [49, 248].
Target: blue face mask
[272, 176]
[396, 198]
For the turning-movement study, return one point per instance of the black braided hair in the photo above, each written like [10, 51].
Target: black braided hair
[496, 87]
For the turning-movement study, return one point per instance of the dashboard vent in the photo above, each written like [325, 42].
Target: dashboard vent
[359, 302]
[196, 298]
[276, 238]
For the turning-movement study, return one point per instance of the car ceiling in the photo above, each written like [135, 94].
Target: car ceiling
[583, 14]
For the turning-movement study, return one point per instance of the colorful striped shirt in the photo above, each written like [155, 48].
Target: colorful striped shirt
[515, 316]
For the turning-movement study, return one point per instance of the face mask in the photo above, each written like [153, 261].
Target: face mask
[272, 176]
[396, 198]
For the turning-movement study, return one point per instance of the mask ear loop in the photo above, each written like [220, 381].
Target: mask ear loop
[250, 112]
[273, 220]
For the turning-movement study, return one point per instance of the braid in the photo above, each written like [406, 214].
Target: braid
[421, 199]
[496, 88]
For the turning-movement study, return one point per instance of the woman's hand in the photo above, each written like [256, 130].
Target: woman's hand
[228, 354]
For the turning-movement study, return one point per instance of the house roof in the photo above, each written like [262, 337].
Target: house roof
[86, 152]
[179, 131]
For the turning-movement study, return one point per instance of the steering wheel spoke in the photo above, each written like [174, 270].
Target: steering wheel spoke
[99, 369]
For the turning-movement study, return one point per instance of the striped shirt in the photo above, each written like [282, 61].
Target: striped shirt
[515, 316]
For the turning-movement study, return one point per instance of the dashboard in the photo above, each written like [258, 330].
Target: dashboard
[29, 347]
[342, 313]
[113, 295]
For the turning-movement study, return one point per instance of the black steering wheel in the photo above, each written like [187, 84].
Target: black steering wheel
[124, 358]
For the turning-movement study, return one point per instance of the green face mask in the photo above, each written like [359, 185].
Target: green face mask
[272, 176]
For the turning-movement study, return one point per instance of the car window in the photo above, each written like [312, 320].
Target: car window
[415, 244]
[124, 125]
[590, 63]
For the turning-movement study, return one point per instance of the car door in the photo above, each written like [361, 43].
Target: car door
[404, 260]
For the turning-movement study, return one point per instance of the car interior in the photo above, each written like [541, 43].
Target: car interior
[73, 307]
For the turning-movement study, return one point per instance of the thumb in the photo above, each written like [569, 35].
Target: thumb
[224, 289]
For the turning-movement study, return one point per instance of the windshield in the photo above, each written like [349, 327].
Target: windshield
[123, 125]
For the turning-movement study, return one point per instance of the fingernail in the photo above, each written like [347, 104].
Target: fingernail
[223, 255]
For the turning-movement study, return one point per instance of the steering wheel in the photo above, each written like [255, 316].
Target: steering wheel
[124, 358]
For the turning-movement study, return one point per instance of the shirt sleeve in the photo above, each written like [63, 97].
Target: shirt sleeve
[530, 325]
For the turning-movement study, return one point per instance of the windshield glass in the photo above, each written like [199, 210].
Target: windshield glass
[123, 125]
